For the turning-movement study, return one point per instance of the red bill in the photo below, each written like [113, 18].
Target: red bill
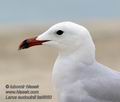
[31, 42]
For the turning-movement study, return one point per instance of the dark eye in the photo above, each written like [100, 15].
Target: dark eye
[59, 32]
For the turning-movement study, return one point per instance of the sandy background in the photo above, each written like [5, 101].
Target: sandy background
[34, 65]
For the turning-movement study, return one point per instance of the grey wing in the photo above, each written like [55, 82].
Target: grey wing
[104, 89]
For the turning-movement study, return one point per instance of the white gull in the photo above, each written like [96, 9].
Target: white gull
[77, 76]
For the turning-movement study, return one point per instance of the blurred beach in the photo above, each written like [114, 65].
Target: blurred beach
[34, 65]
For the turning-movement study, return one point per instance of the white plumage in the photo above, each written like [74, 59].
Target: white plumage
[77, 76]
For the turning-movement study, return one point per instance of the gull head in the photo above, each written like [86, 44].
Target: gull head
[64, 36]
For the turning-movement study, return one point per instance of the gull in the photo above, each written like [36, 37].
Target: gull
[76, 75]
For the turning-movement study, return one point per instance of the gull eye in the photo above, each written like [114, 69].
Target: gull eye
[59, 32]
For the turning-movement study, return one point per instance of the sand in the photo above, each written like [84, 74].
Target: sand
[34, 66]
